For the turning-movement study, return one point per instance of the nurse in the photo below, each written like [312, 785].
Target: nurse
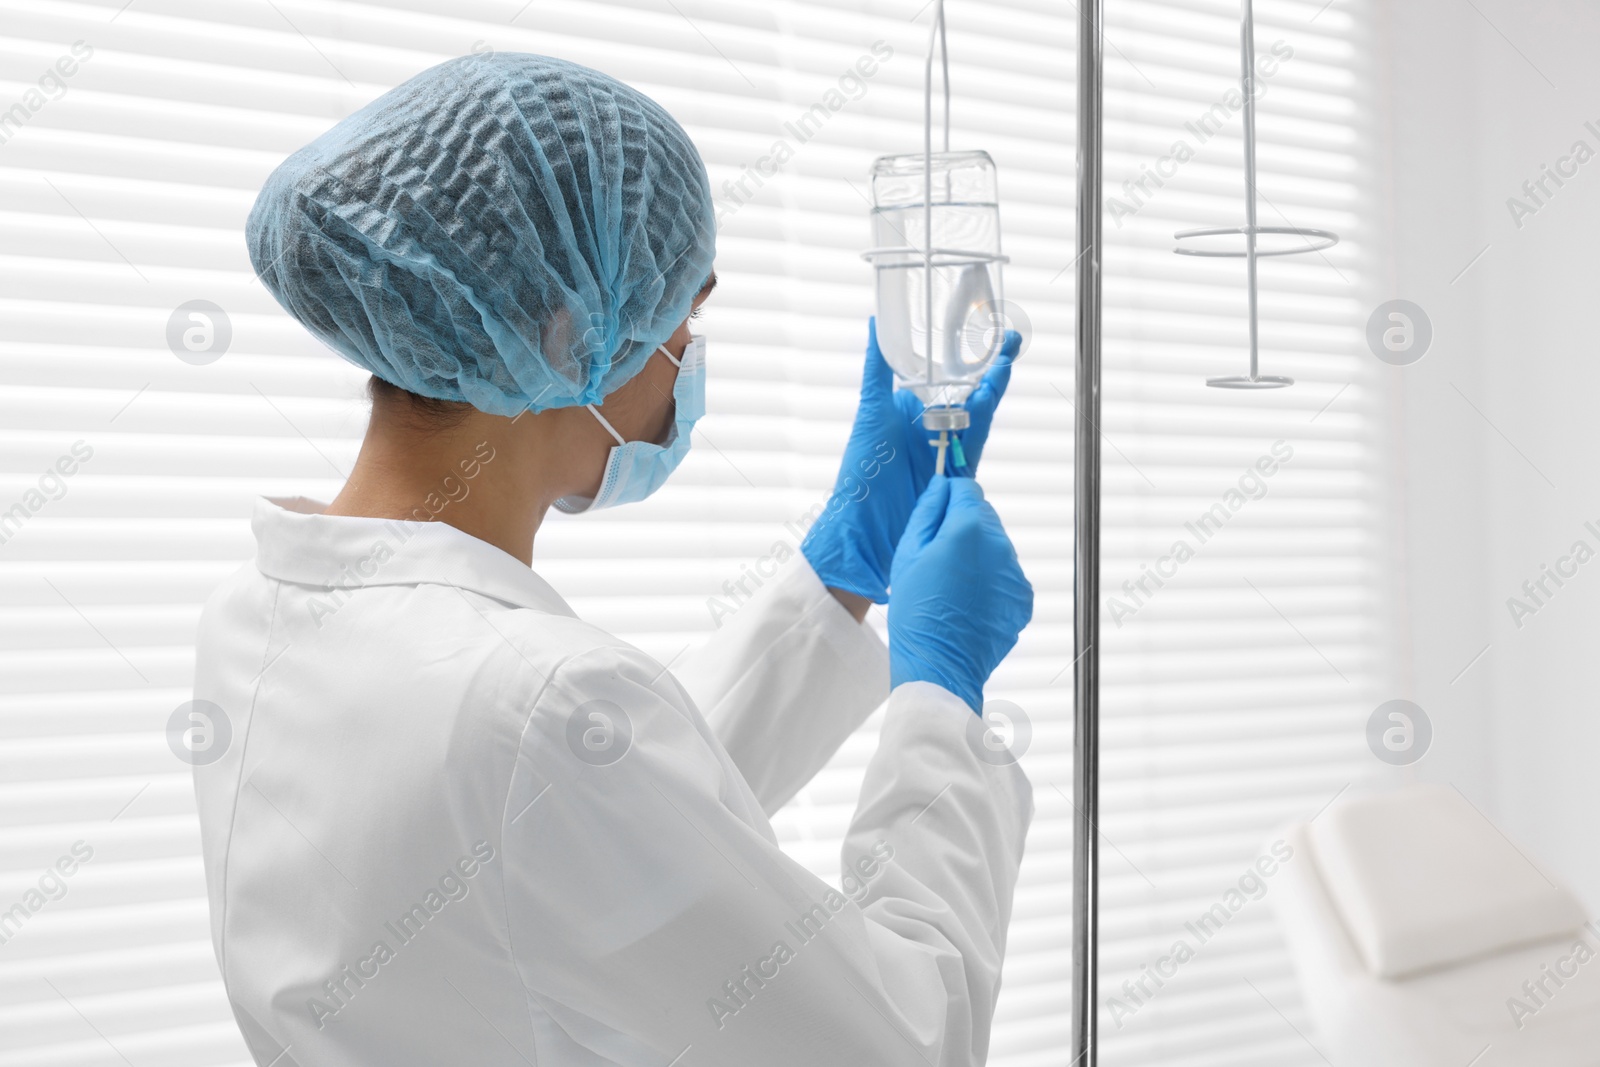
[456, 824]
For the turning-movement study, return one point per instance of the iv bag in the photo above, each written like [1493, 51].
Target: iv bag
[966, 325]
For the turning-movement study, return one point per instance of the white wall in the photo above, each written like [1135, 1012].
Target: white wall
[1479, 96]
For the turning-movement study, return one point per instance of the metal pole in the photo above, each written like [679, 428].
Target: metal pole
[1086, 543]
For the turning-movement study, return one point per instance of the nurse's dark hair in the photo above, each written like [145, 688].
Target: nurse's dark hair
[425, 414]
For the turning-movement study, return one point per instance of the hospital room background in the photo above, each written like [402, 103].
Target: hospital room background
[1373, 591]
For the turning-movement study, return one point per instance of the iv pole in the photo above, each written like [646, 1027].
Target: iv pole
[1086, 550]
[1086, 463]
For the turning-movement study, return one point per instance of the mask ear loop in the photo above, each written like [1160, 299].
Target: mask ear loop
[612, 430]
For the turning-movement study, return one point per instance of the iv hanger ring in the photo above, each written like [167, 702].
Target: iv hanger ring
[1244, 381]
[942, 257]
[1316, 240]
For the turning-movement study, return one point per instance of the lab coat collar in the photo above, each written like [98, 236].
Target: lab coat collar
[295, 542]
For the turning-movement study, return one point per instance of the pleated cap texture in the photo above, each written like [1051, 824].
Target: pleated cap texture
[505, 229]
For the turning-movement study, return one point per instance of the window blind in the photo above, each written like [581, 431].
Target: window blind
[1233, 692]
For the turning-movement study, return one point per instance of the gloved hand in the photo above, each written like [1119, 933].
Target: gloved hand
[887, 464]
[960, 597]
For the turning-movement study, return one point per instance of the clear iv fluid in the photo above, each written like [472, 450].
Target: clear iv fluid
[964, 300]
[967, 323]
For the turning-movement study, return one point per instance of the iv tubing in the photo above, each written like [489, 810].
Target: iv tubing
[944, 61]
[937, 38]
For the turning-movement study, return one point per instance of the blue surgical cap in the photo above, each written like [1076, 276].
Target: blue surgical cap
[509, 230]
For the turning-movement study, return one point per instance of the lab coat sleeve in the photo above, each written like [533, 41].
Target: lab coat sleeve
[654, 919]
[785, 680]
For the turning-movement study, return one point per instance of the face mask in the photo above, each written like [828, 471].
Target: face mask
[635, 469]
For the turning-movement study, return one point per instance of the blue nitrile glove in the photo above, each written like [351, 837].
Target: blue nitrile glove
[887, 464]
[960, 597]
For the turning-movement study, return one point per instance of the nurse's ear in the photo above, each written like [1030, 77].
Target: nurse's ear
[641, 409]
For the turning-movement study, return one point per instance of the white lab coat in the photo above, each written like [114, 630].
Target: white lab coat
[422, 848]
